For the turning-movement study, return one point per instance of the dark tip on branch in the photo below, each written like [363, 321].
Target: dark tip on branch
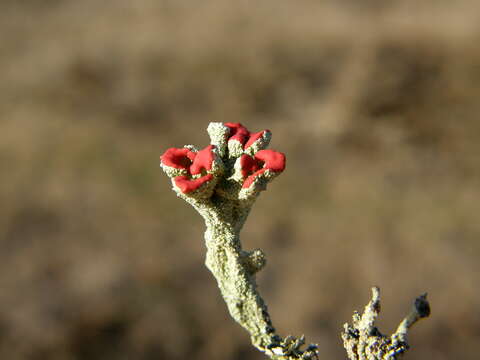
[422, 306]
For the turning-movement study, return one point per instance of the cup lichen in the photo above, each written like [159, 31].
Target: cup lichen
[222, 182]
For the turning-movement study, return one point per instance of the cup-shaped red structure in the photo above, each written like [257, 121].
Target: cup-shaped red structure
[191, 170]
[265, 164]
[240, 140]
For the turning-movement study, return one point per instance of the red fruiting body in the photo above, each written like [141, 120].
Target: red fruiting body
[178, 158]
[254, 137]
[238, 132]
[186, 185]
[242, 135]
[274, 160]
[193, 162]
[269, 159]
[249, 165]
[203, 160]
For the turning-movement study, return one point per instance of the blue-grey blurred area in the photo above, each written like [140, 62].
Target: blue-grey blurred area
[375, 103]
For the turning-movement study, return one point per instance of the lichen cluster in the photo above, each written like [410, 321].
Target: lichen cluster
[222, 182]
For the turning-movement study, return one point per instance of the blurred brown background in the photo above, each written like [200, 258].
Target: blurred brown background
[375, 103]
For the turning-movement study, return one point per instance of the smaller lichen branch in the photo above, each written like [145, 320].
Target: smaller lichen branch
[420, 310]
[222, 182]
[363, 341]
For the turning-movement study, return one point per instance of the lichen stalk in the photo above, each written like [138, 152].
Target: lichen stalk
[237, 285]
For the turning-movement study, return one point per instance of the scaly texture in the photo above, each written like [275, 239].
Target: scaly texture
[222, 182]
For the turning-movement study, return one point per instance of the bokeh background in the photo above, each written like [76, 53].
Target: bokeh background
[375, 103]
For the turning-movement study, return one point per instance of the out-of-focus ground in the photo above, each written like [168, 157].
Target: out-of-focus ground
[375, 103]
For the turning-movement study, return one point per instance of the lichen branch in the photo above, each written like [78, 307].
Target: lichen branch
[363, 341]
[222, 182]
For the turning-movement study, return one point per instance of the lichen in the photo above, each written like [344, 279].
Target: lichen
[222, 182]
[364, 341]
